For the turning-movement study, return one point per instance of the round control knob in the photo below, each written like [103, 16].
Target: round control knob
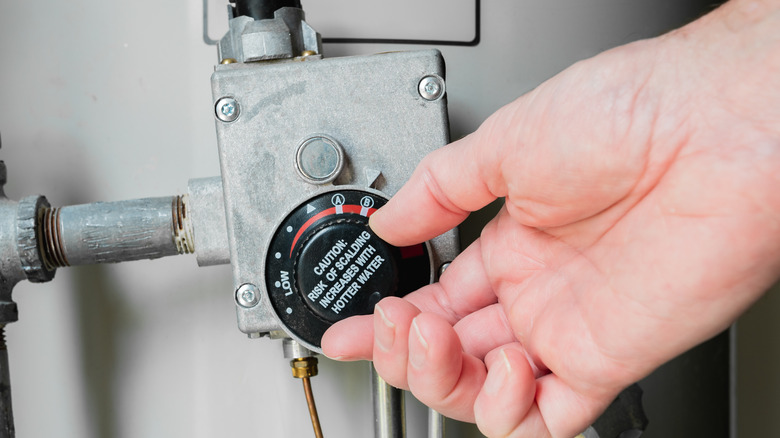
[346, 269]
[325, 264]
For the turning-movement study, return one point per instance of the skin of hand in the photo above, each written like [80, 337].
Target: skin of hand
[642, 217]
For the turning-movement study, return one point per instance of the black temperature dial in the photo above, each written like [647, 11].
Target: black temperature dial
[324, 264]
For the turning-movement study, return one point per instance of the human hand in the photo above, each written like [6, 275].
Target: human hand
[642, 216]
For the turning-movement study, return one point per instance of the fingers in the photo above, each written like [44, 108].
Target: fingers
[350, 339]
[566, 412]
[392, 320]
[439, 373]
[421, 352]
[463, 288]
[484, 330]
[506, 399]
[446, 186]
[516, 402]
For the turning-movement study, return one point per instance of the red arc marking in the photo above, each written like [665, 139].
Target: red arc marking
[355, 209]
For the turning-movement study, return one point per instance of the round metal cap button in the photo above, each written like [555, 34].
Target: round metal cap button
[319, 159]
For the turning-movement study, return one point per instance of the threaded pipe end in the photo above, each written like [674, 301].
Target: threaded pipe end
[182, 226]
[53, 253]
[3, 345]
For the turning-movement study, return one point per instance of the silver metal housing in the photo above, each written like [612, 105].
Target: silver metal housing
[369, 104]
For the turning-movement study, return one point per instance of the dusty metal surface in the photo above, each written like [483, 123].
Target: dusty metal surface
[370, 105]
[207, 213]
[111, 232]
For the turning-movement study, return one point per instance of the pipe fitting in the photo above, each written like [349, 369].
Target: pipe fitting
[30, 214]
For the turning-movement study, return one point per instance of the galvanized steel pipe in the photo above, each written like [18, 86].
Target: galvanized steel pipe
[110, 232]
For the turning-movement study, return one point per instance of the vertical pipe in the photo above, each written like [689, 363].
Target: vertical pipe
[389, 414]
[435, 424]
[6, 413]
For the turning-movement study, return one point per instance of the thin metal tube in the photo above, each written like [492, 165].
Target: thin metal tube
[389, 414]
[315, 419]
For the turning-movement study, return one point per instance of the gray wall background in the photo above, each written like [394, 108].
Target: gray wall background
[111, 100]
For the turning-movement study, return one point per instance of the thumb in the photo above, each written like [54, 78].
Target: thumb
[562, 153]
[447, 185]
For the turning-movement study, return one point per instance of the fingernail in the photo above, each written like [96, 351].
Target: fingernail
[336, 357]
[384, 331]
[497, 376]
[418, 348]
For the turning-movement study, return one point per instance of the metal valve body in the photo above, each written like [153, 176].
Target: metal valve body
[370, 126]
